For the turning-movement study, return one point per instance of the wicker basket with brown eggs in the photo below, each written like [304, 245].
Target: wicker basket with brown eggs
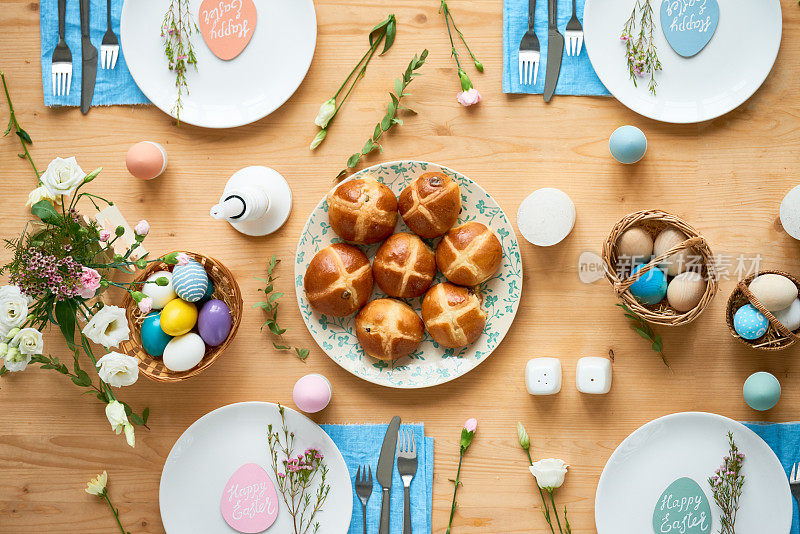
[339, 279]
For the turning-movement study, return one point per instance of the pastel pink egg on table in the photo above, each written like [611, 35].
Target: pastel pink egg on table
[146, 160]
[312, 393]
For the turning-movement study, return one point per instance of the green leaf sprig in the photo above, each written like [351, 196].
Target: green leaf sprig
[641, 327]
[390, 117]
[270, 306]
[385, 31]
[13, 124]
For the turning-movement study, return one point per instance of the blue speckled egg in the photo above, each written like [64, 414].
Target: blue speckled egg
[627, 144]
[749, 322]
[651, 288]
[190, 281]
[154, 340]
[761, 391]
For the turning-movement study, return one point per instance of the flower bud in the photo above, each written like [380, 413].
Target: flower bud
[11, 333]
[524, 439]
[162, 281]
[92, 175]
[479, 65]
[137, 296]
[119, 231]
[321, 135]
[3, 349]
[142, 263]
[326, 112]
[466, 83]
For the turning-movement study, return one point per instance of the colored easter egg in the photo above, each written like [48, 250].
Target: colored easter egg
[146, 160]
[627, 144]
[685, 291]
[190, 281]
[651, 287]
[209, 291]
[249, 502]
[214, 322]
[178, 317]
[773, 291]
[312, 393]
[634, 245]
[160, 294]
[749, 322]
[761, 391]
[790, 317]
[184, 352]
[678, 262]
[154, 339]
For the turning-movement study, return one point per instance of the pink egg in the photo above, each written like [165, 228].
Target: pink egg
[146, 160]
[312, 393]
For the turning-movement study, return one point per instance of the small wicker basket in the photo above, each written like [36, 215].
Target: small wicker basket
[778, 336]
[654, 221]
[225, 289]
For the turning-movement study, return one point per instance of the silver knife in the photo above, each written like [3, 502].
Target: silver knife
[386, 470]
[555, 50]
[89, 53]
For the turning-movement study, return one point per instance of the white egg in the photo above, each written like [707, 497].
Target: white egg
[790, 317]
[686, 290]
[160, 294]
[184, 352]
[678, 262]
[774, 291]
[634, 245]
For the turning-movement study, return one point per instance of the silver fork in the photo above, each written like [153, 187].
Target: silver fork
[574, 33]
[61, 68]
[364, 490]
[794, 482]
[407, 467]
[529, 50]
[109, 48]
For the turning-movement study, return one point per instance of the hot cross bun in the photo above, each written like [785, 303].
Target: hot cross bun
[338, 280]
[453, 315]
[362, 211]
[430, 204]
[469, 254]
[404, 266]
[388, 329]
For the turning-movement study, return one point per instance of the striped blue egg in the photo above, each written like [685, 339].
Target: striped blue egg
[190, 281]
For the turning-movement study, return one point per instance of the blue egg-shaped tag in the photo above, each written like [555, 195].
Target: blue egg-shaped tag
[651, 287]
[190, 281]
[689, 25]
[749, 322]
[154, 340]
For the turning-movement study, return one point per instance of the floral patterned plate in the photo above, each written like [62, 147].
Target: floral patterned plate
[430, 364]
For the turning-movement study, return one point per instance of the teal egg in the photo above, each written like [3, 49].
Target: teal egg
[761, 391]
[651, 288]
[749, 322]
[209, 292]
[190, 281]
[627, 144]
[154, 340]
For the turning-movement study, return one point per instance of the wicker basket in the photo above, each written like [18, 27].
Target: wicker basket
[225, 289]
[778, 336]
[655, 221]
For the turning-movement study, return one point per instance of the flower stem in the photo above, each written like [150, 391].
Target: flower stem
[555, 509]
[114, 511]
[455, 490]
[19, 131]
[447, 17]
[541, 495]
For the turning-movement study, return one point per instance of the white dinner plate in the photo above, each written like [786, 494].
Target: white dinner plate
[206, 455]
[223, 94]
[690, 445]
[430, 364]
[722, 76]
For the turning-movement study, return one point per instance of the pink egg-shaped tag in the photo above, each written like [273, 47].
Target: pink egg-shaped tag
[227, 25]
[249, 502]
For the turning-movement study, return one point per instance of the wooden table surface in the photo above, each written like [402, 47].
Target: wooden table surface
[726, 177]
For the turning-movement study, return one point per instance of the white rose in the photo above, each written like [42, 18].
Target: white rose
[39, 194]
[117, 369]
[29, 341]
[15, 360]
[108, 327]
[549, 473]
[13, 309]
[63, 176]
[115, 412]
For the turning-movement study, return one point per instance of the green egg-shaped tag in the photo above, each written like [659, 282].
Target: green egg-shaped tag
[682, 509]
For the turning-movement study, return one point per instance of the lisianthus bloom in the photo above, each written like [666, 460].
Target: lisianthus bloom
[97, 486]
[145, 305]
[63, 176]
[469, 97]
[90, 283]
[549, 473]
[15, 361]
[142, 228]
[115, 413]
[28, 341]
[326, 113]
[39, 194]
[108, 327]
[13, 309]
[118, 370]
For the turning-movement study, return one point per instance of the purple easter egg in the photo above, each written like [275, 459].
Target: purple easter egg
[214, 322]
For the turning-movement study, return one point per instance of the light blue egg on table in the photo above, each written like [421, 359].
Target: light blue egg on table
[749, 322]
[627, 144]
[190, 281]
[761, 391]
[154, 340]
[651, 288]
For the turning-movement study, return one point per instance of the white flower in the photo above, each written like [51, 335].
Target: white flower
[97, 486]
[469, 97]
[117, 369]
[549, 473]
[115, 412]
[130, 436]
[15, 360]
[142, 228]
[325, 114]
[39, 194]
[13, 309]
[108, 327]
[63, 176]
[29, 341]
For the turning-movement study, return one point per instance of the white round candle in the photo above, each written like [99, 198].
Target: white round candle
[790, 212]
[546, 217]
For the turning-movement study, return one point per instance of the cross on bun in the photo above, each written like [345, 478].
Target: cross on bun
[430, 204]
[404, 266]
[388, 329]
[453, 315]
[338, 280]
[469, 254]
[362, 211]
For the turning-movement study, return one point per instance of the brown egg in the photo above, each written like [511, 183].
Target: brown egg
[146, 160]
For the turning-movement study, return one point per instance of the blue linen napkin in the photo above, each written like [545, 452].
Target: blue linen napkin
[784, 439]
[577, 74]
[360, 445]
[112, 86]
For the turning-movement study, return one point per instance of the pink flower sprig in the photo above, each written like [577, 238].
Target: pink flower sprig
[469, 95]
[726, 486]
[467, 435]
[177, 30]
[640, 51]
